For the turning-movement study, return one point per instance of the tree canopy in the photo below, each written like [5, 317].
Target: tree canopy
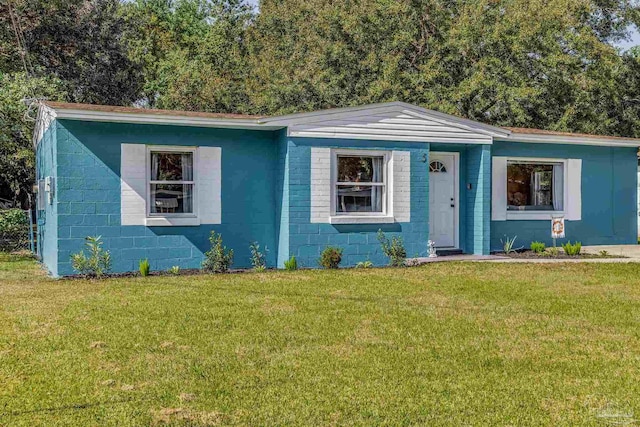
[533, 63]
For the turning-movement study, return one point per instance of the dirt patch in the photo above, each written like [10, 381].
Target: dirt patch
[181, 416]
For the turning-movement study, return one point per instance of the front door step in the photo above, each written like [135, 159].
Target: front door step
[447, 252]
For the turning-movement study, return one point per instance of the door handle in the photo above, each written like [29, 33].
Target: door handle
[453, 205]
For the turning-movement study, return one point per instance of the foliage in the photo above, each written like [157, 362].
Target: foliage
[17, 160]
[572, 249]
[364, 264]
[291, 264]
[393, 249]
[553, 252]
[144, 267]
[174, 270]
[14, 230]
[604, 253]
[330, 257]
[97, 263]
[218, 259]
[258, 258]
[507, 244]
[538, 247]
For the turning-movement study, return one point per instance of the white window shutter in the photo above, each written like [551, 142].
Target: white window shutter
[209, 184]
[401, 185]
[133, 184]
[499, 188]
[574, 187]
[320, 184]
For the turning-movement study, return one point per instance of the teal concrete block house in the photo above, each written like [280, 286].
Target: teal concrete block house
[155, 183]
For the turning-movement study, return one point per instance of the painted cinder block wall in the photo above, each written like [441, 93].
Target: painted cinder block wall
[46, 166]
[609, 182]
[88, 195]
[306, 240]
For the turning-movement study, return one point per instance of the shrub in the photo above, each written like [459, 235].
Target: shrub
[14, 230]
[364, 264]
[552, 251]
[97, 263]
[507, 244]
[572, 249]
[291, 264]
[331, 257]
[144, 267]
[175, 270]
[538, 247]
[393, 249]
[258, 258]
[218, 259]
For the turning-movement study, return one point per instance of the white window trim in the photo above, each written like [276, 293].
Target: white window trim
[541, 215]
[168, 219]
[384, 217]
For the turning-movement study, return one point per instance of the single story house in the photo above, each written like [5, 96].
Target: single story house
[155, 183]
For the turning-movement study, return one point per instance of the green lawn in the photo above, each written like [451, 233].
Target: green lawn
[442, 344]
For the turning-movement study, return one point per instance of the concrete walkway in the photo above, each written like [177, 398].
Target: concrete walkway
[627, 254]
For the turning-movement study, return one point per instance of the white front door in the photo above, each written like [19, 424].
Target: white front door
[443, 200]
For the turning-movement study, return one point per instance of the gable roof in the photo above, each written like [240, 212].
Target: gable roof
[388, 121]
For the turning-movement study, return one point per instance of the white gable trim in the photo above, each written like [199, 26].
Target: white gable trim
[391, 122]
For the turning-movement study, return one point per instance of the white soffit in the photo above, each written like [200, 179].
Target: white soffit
[393, 121]
[570, 139]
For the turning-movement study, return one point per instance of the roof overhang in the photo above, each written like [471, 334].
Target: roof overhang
[597, 140]
[158, 119]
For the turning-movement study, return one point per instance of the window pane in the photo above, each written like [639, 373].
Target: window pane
[171, 166]
[359, 198]
[171, 198]
[360, 169]
[534, 186]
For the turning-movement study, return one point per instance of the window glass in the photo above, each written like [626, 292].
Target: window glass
[360, 187]
[360, 169]
[171, 183]
[535, 186]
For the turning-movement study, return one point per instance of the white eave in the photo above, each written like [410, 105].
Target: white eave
[567, 139]
[159, 119]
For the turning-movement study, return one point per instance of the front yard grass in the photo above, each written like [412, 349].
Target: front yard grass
[441, 344]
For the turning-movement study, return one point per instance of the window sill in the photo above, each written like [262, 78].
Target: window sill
[532, 215]
[353, 219]
[171, 221]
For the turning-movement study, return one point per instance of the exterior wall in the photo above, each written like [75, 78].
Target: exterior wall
[88, 197]
[306, 240]
[609, 192]
[478, 199]
[46, 165]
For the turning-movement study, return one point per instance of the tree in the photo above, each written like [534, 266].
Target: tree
[16, 149]
[80, 42]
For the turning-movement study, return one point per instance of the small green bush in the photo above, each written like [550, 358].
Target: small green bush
[291, 264]
[331, 257]
[144, 267]
[175, 270]
[364, 264]
[393, 249]
[552, 252]
[258, 258]
[218, 259]
[14, 230]
[538, 247]
[507, 244]
[97, 263]
[572, 249]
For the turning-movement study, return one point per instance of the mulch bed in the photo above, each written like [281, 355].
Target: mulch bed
[527, 254]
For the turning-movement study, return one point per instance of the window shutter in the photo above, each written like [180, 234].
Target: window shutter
[320, 184]
[133, 184]
[499, 189]
[209, 184]
[401, 182]
[574, 186]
